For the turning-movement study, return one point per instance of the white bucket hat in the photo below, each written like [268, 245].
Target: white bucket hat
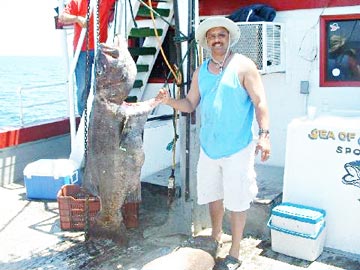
[212, 22]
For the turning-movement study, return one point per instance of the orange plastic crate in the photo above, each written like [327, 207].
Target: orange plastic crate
[130, 213]
[72, 200]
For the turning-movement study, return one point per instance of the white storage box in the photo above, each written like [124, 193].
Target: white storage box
[297, 230]
[45, 177]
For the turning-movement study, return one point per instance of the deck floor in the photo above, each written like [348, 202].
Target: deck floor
[32, 239]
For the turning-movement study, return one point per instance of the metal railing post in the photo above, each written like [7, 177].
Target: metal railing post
[20, 107]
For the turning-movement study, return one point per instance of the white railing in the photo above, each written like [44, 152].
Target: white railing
[35, 104]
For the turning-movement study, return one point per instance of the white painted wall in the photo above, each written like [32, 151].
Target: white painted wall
[316, 165]
[157, 135]
[302, 42]
[283, 89]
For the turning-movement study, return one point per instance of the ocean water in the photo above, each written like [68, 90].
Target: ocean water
[34, 72]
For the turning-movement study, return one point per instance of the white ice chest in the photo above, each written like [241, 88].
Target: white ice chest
[297, 230]
[45, 177]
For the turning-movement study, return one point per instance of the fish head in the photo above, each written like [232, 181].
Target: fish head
[115, 72]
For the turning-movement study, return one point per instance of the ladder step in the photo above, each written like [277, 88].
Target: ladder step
[145, 12]
[131, 99]
[142, 51]
[144, 32]
[138, 84]
[142, 68]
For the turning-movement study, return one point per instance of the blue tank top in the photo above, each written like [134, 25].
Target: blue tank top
[226, 111]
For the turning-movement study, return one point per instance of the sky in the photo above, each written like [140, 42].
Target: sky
[27, 28]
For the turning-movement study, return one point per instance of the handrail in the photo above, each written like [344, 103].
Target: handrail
[46, 103]
[21, 105]
[160, 17]
[40, 86]
[71, 80]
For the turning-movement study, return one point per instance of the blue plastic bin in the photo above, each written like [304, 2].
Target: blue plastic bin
[45, 177]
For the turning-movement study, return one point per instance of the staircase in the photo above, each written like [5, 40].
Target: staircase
[146, 45]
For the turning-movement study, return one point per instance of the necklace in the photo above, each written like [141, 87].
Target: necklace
[220, 65]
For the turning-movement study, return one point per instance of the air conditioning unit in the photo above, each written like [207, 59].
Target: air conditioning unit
[263, 42]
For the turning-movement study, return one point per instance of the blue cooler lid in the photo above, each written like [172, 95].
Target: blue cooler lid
[299, 212]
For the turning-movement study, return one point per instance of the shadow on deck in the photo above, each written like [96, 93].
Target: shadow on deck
[270, 185]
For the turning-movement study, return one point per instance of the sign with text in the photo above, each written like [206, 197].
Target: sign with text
[322, 169]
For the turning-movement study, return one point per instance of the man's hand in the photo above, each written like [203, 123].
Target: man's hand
[163, 96]
[263, 145]
[81, 21]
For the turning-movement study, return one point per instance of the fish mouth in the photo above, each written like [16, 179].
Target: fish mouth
[110, 51]
[101, 63]
[105, 55]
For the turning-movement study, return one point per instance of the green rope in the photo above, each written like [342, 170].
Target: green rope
[194, 47]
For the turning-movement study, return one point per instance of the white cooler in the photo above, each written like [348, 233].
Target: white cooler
[45, 177]
[297, 230]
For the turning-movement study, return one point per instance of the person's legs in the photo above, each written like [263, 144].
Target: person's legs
[82, 91]
[216, 210]
[239, 190]
[210, 191]
[238, 220]
[231, 261]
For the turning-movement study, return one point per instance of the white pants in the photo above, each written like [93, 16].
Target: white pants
[232, 179]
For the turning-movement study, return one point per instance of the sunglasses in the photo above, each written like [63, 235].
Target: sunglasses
[214, 36]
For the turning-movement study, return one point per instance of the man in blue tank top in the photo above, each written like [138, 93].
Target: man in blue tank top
[229, 90]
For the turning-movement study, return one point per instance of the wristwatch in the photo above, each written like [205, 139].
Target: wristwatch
[263, 131]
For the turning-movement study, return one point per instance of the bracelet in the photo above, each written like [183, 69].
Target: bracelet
[263, 131]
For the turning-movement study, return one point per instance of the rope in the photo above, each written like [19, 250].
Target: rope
[178, 79]
[176, 76]
[160, 17]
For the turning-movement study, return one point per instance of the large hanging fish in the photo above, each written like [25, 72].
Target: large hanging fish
[115, 148]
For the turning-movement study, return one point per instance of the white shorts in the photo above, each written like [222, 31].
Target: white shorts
[232, 179]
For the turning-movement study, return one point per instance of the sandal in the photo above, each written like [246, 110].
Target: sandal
[229, 263]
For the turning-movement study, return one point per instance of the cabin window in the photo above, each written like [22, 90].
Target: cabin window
[340, 50]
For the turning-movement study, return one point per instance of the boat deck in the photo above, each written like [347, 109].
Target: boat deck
[32, 239]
